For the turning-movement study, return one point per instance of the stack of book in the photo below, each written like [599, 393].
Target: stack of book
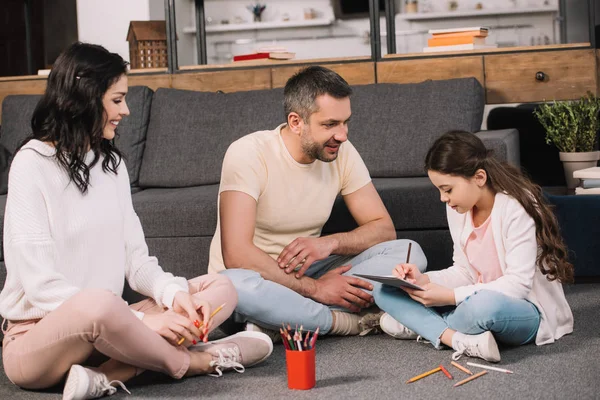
[454, 39]
[590, 180]
[266, 54]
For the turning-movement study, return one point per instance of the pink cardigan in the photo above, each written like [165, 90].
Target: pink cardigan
[514, 236]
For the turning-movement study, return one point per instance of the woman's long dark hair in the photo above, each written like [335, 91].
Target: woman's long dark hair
[71, 115]
[462, 154]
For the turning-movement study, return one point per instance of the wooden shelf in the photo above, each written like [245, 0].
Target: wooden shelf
[475, 13]
[250, 26]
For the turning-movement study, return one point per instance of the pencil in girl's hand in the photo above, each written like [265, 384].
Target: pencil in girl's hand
[463, 369]
[469, 379]
[408, 252]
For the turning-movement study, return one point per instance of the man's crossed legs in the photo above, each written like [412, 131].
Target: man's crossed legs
[269, 304]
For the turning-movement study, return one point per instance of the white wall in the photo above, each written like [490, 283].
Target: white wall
[106, 22]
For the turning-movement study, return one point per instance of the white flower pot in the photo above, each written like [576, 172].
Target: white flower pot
[575, 161]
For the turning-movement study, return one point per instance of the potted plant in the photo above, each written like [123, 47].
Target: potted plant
[572, 126]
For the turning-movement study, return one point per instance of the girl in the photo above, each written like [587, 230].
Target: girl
[509, 260]
[71, 237]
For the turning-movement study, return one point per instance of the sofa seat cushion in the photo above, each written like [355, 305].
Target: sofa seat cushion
[182, 212]
[413, 204]
[189, 132]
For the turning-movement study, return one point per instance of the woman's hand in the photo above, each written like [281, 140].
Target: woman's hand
[196, 310]
[410, 273]
[433, 296]
[172, 326]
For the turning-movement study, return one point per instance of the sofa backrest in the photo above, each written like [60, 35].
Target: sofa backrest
[393, 125]
[17, 111]
[190, 131]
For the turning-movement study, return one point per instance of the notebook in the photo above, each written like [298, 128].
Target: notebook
[391, 281]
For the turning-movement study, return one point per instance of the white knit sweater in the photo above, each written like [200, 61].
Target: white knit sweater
[58, 241]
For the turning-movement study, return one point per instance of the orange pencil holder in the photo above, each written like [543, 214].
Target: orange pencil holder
[301, 370]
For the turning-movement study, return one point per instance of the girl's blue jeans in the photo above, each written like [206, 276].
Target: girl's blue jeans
[512, 321]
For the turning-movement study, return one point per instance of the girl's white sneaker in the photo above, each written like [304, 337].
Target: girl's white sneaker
[395, 329]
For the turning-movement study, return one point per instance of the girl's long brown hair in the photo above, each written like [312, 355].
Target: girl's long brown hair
[461, 153]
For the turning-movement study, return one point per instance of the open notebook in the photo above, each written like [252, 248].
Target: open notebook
[391, 280]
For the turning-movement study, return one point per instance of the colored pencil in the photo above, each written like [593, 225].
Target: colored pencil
[313, 341]
[408, 253]
[423, 375]
[202, 323]
[490, 368]
[445, 371]
[469, 379]
[463, 369]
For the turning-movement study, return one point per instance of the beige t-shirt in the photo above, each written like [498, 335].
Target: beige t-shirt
[293, 200]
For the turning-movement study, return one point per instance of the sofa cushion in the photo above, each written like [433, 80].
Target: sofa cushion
[16, 126]
[413, 203]
[132, 129]
[182, 212]
[393, 125]
[17, 111]
[189, 132]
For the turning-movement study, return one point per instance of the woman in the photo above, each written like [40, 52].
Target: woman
[72, 236]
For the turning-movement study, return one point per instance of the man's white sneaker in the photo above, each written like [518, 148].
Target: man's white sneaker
[237, 352]
[84, 383]
[275, 336]
[395, 329]
[483, 346]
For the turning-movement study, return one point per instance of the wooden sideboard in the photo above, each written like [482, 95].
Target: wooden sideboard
[509, 75]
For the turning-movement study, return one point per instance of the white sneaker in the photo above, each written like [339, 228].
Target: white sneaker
[84, 383]
[244, 349]
[482, 346]
[275, 336]
[395, 329]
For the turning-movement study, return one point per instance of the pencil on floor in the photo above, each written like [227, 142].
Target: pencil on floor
[445, 371]
[469, 379]
[463, 369]
[490, 368]
[423, 375]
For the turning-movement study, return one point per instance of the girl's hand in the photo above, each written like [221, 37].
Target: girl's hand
[172, 327]
[433, 296]
[410, 273]
[196, 310]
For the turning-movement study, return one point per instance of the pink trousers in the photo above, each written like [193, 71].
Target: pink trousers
[38, 353]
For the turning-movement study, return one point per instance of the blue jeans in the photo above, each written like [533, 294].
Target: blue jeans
[268, 304]
[512, 321]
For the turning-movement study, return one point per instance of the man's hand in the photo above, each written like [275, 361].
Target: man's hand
[195, 310]
[305, 251]
[433, 296]
[172, 326]
[333, 288]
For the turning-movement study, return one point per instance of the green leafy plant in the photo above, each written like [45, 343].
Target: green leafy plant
[572, 126]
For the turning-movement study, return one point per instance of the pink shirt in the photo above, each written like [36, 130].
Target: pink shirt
[481, 252]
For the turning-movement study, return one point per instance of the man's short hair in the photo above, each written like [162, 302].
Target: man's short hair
[305, 86]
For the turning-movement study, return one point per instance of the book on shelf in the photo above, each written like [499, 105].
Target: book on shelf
[274, 55]
[451, 41]
[580, 190]
[481, 30]
[587, 173]
[459, 47]
[590, 183]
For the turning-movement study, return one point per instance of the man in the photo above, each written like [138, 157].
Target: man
[277, 191]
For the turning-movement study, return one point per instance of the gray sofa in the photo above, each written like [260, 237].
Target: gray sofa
[174, 142]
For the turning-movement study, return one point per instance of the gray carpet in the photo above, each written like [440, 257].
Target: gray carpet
[378, 367]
